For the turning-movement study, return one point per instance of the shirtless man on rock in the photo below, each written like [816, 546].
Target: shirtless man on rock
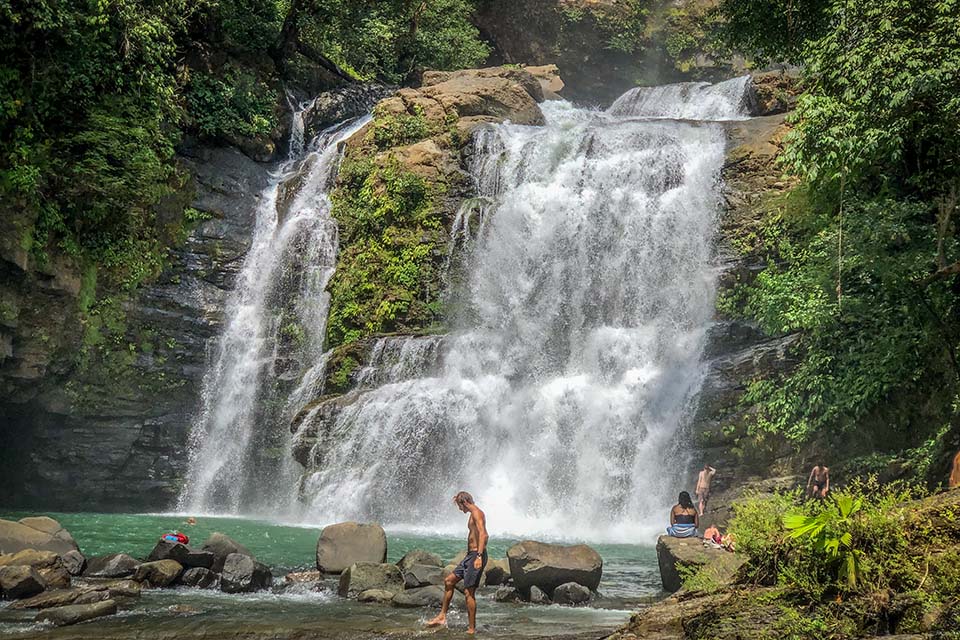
[471, 568]
[818, 484]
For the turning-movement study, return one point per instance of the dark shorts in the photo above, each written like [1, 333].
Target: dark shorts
[466, 571]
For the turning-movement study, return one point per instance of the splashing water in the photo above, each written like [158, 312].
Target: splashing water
[588, 290]
[275, 325]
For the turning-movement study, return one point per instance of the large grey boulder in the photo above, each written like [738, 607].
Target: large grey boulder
[690, 553]
[361, 576]
[200, 578]
[40, 533]
[74, 613]
[166, 550]
[344, 544]
[114, 565]
[241, 573]
[571, 593]
[421, 575]
[159, 573]
[431, 596]
[221, 546]
[419, 556]
[548, 566]
[20, 581]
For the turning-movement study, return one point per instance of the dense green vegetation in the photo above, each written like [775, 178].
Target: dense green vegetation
[870, 560]
[96, 95]
[863, 253]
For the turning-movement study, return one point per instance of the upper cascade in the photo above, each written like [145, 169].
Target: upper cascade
[728, 100]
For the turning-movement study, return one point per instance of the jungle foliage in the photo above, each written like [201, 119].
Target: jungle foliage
[863, 254]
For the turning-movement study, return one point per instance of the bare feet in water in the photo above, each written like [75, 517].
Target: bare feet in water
[439, 621]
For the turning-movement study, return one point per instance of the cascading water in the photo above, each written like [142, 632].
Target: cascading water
[276, 318]
[588, 291]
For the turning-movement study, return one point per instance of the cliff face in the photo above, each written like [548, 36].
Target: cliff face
[99, 391]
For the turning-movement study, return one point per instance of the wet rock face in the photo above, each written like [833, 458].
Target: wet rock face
[547, 566]
[241, 573]
[74, 613]
[106, 436]
[116, 565]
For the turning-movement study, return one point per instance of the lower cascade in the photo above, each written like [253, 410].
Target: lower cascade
[585, 287]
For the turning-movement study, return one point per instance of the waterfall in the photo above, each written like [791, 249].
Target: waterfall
[274, 331]
[574, 358]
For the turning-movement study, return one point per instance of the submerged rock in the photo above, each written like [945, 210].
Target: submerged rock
[39, 533]
[200, 578]
[375, 595]
[362, 576]
[431, 596]
[344, 544]
[507, 594]
[20, 581]
[419, 556]
[221, 546]
[159, 573]
[241, 573]
[115, 565]
[74, 613]
[548, 566]
[571, 593]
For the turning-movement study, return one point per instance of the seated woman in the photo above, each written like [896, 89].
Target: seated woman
[684, 518]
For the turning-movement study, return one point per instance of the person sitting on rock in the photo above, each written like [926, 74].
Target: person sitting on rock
[684, 518]
[712, 534]
[818, 484]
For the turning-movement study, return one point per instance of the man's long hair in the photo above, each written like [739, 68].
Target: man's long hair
[463, 498]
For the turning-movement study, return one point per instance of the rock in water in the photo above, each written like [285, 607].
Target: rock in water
[42, 534]
[241, 573]
[115, 565]
[361, 576]
[497, 572]
[74, 613]
[47, 563]
[547, 566]
[73, 562]
[507, 594]
[47, 599]
[166, 550]
[200, 578]
[431, 596]
[537, 596]
[159, 573]
[344, 544]
[418, 556]
[20, 581]
[222, 546]
[375, 595]
[571, 593]
[421, 575]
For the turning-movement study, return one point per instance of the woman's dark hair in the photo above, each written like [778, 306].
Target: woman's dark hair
[685, 500]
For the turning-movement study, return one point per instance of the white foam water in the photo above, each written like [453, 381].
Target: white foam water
[587, 293]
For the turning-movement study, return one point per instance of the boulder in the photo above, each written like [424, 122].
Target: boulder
[41, 533]
[74, 613]
[200, 578]
[159, 573]
[20, 581]
[119, 588]
[419, 556]
[375, 595]
[241, 574]
[50, 598]
[431, 596]
[47, 563]
[421, 575]
[344, 544]
[537, 596]
[115, 565]
[362, 576]
[221, 546]
[89, 597]
[73, 562]
[571, 593]
[507, 594]
[497, 572]
[547, 566]
[673, 553]
[166, 550]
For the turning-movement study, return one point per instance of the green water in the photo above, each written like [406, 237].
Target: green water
[630, 578]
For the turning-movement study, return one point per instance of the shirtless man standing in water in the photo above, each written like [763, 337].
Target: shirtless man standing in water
[471, 568]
